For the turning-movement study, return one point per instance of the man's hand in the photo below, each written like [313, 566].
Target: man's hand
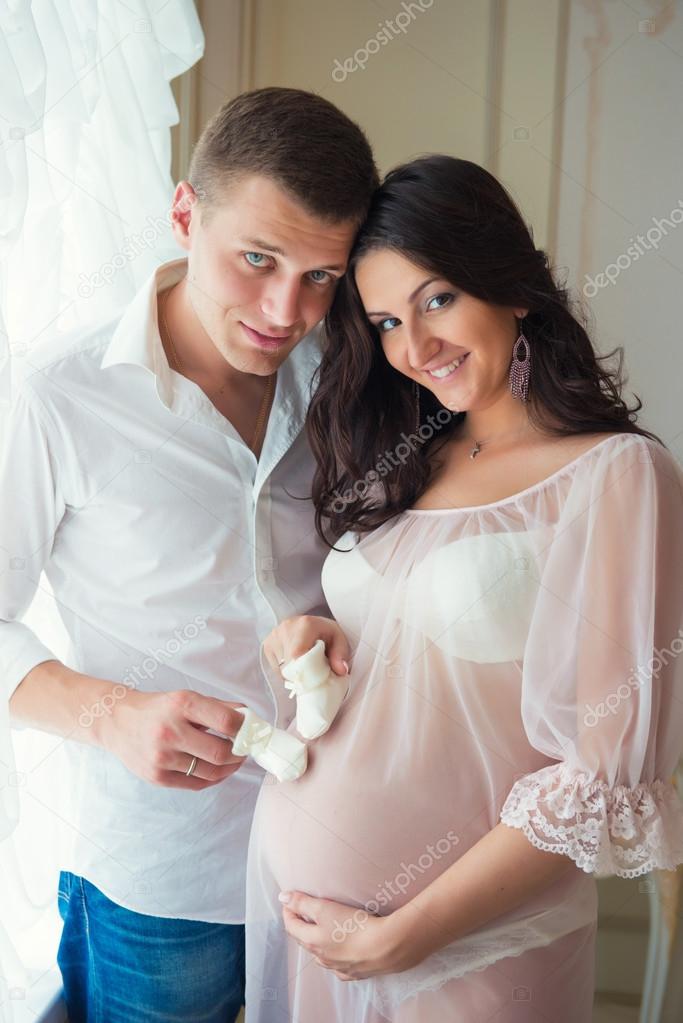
[156, 735]
[296, 635]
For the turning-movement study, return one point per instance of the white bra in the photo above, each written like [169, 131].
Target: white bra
[473, 598]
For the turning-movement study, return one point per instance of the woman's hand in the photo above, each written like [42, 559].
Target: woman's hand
[294, 636]
[347, 940]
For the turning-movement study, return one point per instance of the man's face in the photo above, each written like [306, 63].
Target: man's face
[261, 265]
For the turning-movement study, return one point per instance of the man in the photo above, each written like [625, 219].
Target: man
[154, 467]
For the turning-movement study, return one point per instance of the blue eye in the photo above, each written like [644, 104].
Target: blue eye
[390, 319]
[448, 298]
[317, 280]
[437, 297]
[257, 256]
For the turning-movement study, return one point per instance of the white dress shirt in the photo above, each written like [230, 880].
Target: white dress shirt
[172, 552]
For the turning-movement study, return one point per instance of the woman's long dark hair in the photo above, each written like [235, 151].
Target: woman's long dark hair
[456, 221]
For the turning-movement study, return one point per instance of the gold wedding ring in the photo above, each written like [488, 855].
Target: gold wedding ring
[193, 764]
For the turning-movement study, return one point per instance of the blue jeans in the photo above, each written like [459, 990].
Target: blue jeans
[124, 967]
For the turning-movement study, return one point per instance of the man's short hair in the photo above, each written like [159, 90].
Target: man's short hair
[299, 140]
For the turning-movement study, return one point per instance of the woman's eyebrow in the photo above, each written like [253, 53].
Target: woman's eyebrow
[412, 297]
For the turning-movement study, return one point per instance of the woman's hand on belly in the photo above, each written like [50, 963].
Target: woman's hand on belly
[296, 635]
[345, 939]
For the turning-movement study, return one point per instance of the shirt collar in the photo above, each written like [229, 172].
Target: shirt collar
[136, 341]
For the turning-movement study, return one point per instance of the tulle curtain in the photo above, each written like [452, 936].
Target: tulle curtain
[85, 114]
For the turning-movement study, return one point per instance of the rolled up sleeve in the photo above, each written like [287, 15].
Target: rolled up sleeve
[30, 511]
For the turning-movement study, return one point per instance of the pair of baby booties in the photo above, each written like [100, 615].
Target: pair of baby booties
[319, 694]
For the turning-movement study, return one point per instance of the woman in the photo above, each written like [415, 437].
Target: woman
[508, 574]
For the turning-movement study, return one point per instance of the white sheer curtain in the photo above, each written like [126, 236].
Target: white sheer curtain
[85, 187]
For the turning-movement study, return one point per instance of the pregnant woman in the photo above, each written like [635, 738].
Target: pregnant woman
[507, 578]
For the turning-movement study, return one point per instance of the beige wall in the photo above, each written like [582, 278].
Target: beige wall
[438, 86]
[471, 78]
[622, 169]
[423, 91]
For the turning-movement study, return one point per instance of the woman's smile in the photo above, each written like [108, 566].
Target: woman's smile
[447, 371]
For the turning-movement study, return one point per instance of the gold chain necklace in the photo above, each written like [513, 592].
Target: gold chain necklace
[270, 391]
[270, 387]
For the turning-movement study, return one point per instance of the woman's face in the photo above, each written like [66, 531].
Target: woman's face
[457, 346]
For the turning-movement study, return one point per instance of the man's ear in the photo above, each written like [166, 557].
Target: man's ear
[184, 200]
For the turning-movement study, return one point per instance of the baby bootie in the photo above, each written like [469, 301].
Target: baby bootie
[319, 692]
[273, 749]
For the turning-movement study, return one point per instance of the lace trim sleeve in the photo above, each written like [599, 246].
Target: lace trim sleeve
[620, 830]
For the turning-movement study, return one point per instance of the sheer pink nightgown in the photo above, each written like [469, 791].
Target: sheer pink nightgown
[519, 661]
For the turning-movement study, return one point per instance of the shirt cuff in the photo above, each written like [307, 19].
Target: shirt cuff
[21, 652]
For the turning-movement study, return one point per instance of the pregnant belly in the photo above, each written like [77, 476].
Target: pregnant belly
[358, 827]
